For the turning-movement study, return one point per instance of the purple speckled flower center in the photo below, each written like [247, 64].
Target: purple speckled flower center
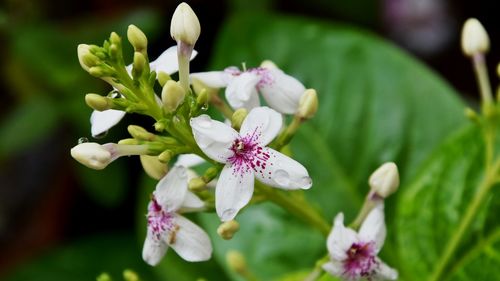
[159, 220]
[249, 155]
[265, 76]
[361, 261]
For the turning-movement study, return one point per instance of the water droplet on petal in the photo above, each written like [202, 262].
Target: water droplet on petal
[204, 107]
[114, 94]
[228, 214]
[305, 182]
[282, 178]
[83, 140]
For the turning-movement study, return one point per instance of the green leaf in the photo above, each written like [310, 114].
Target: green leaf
[376, 104]
[433, 205]
[84, 260]
[26, 125]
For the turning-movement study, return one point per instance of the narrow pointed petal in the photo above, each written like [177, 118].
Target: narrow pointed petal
[242, 91]
[189, 160]
[213, 137]
[102, 121]
[340, 239]
[167, 62]
[373, 227]
[192, 203]
[384, 272]
[153, 250]
[190, 241]
[282, 92]
[171, 190]
[213, 79]
[233, 191]
[281, 171]
[265, 122]
[334, 268]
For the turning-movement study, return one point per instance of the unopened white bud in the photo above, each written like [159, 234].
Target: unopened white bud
[227, 229]
[185, 26]
[268, 65]
[172, 95]
[92, 155]
[153, 167]
[137, 38]
[474, 38]
[83, 51]
[385, 180]
[308, 104]
[98, 102]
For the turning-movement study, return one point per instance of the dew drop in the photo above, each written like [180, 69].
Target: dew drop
[228, 214]
[114, 94]
[83, 140]
[281, 177]
[204, 107]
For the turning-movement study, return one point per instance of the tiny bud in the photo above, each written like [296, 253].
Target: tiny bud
[165, 156]
[163, 78]
[227, 229]
[236, 261]
[172, 95]
[137, 38]
[474, 38]
[104, 277]
[97, 102]
[92, 155]
[140, 133]
[385, 180]
[238, 118]
[83, 51]
[268, 65]
[197, 184]
[159, 126]
[130, 275]
[211, 173]
[202, 99]
[139, 64]
[185, 26]
[308, 104]
[98, 71]
[115, 39]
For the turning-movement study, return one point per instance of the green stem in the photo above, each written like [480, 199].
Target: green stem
[285, 137]
[183, 55]
[299, 208]
[482, 78]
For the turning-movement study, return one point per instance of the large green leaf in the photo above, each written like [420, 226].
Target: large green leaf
[433, 205]
[377, 104]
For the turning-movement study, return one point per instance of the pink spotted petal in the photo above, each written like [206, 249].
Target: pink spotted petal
[153, 249]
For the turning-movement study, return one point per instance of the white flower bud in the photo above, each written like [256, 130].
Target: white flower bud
[185, 26]
[385, 180]
[308, 104]
[172, 95]
[84, 54]
[474, 38]
[92, 155]
[137, 38]
[153, 167]
[97, 102]
[268, 64]
[227, 229]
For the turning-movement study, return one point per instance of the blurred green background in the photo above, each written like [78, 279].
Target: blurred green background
[62, 221]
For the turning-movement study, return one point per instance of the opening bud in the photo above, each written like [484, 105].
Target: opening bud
[185, 26]
[385, 180]
[238, 118]
[308, 104]
[172, 95]
[227, 229]
[92, 155]
[475, 39]
[137, 39]
[97, 102]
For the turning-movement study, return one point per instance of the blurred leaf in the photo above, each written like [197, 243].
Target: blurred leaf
[85, 260]
[107, 188]
[433, 205]
[376, 105]
[27, 124]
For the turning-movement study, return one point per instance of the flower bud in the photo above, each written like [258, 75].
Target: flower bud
[92, 155]
[165, 156]
[128, 142]
[172, 95]
[115, 39]
[97, 102]
[268, 65]
[238, 118]
[153, 167]
[236, 261]
[137, 38]
[139, 64]
[185, 26]
[474, 38]
[308, 104]
[385, 180]
[227, 229]
[163, 78]
[104, 277]
[140, 133]
[130, 275]
[197, 184]
[199, 87]
[85, 57]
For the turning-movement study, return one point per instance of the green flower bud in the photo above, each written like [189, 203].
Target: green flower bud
[137, 38]
[308, 104]
[227, 229]
[139, 64]
[166, 156]
[185, 26]
[163, 78]
[130, 275]
[236, 261]
[115, 39]
[172, 95]
[140, 133]
[97, 102]
[128, 142]
[153, 167]
[475, 39]
[197, 184]
[238, 118]
[202, 99]
[268, 65]
[104, 277]
[83, 51]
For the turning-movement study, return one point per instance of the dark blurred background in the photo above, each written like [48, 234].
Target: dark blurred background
[47, 200]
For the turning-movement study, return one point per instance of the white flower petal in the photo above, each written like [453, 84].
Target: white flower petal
[153, 249]
[264, 121]
[213, 137]
[233, 191]
[213, 79]
[340, 239]
[188, 160]
[384, 272]
[281, 171]
[190, 241]
[167, 62]
[171, 189]
[281, 91]
[241, 92]
[102, 121]
[192, 203]
[334, 268]
[373, 227]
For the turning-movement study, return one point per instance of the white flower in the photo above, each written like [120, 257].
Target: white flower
[354, 255]
[281, 91]
[102, 121]
[167, 228]
[246, 157]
